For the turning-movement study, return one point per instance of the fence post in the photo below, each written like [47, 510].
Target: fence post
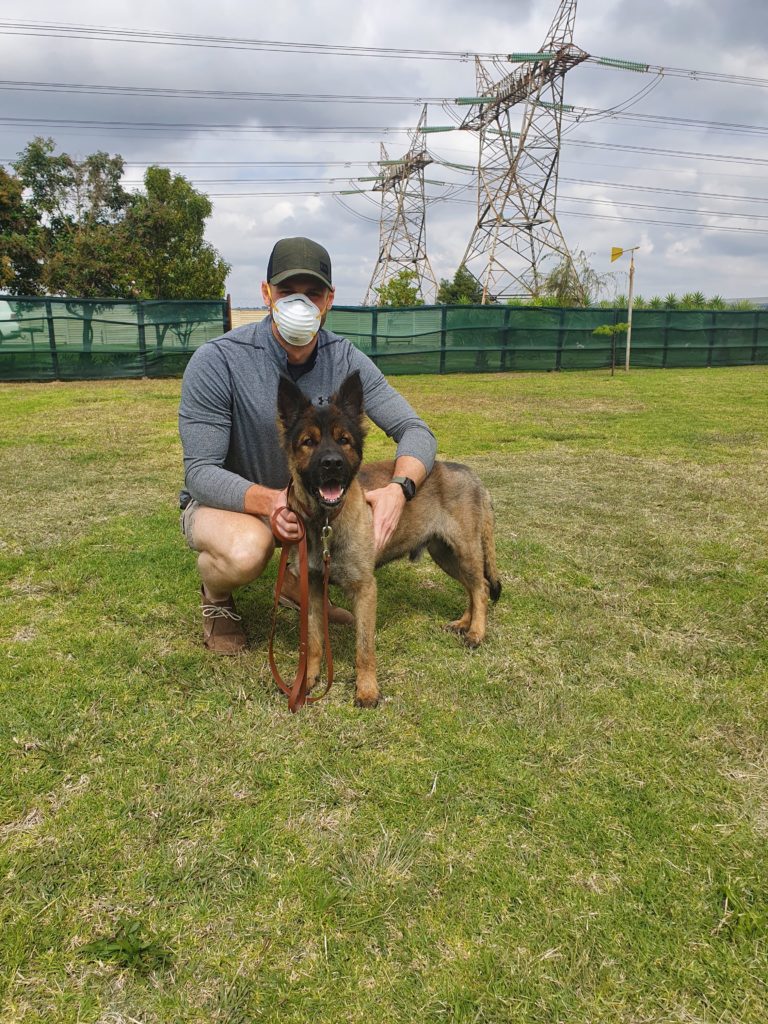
[443, 323]
[755, 335]
[505, 337]
[374, 334]
[52, 339]
[667, 317]
[142, 338]
[228, 314]
[711, 336]
[560, 333]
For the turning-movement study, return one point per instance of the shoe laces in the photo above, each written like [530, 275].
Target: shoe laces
[220, 611]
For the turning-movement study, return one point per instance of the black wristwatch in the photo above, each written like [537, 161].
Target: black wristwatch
[408, 486]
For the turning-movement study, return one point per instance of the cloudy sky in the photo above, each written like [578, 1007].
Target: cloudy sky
[686, 181]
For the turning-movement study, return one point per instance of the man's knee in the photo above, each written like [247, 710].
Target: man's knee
[235, 547]
[248, 555]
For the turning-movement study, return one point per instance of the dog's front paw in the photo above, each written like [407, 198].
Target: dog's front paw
[367, 696]
[458, 625]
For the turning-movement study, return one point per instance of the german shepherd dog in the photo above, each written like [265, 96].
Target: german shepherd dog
[451, 517]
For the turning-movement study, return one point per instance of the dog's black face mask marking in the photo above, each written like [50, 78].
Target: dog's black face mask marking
[324, 445]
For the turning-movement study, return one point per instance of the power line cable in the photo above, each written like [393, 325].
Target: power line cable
[79, 88]
[64, 30]
[666, 223]
[47, 122]
[666, 190]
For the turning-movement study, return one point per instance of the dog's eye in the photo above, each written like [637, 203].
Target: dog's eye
[308, 442]
[344, 439]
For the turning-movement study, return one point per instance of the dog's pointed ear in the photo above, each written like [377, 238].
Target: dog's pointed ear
[349, 397]
[291, 402]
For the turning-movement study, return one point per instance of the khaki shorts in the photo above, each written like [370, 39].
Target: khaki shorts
[187, 523]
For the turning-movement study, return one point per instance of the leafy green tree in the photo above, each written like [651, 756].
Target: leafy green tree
[93, 262]
[80, 206]
[400, 290]
[464, 290]
[21, 239]
[171, 259]
[610, 330]
[93, 238]
[72, 194]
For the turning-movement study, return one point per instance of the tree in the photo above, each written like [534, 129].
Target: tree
[80, 206]
[69, 193]
[93, 238]
[574, 282]
[171, 259]
[464, 290]
[21, 239]
[400, 290]
[92, 262]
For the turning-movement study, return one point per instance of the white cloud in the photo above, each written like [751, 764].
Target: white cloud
[704, 35]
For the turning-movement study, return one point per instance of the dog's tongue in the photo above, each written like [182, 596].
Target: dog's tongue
[331, 492]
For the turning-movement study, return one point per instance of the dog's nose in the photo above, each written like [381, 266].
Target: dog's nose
[331, 462]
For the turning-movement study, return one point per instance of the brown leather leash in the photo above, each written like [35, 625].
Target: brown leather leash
[298, 691]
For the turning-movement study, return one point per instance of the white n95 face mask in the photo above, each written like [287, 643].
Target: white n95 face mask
[297, 319]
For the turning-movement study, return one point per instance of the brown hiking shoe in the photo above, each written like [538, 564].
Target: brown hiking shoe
[290, 599]
[222, 632]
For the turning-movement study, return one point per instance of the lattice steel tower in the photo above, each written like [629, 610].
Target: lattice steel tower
[516, 233]
[402, 226]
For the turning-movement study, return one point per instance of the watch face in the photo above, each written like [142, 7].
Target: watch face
[408, 486]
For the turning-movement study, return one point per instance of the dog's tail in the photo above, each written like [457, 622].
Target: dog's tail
[489, 549]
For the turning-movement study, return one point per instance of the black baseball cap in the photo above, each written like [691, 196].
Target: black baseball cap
[292, 256]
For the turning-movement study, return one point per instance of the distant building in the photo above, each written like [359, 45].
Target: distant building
[244, 315]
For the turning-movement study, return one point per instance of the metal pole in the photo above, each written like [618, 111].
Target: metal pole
[629, 310]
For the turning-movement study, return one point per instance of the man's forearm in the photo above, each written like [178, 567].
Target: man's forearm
[261, 501]
[411, 467]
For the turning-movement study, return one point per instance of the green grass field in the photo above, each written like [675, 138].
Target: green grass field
[567, 825]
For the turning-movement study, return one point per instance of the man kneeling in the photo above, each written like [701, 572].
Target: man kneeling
[236, 473]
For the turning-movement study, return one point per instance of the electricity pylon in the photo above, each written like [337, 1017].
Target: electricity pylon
[402, 227]
[516, 231]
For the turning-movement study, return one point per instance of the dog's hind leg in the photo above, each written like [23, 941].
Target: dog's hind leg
[468, 572]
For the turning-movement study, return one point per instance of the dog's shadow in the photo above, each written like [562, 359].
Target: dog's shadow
[404, 592]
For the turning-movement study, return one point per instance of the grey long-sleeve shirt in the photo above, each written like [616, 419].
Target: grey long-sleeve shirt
[229, 407]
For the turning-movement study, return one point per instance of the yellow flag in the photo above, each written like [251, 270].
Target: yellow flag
[615, 253]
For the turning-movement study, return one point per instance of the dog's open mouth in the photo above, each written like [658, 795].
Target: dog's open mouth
[330, 495]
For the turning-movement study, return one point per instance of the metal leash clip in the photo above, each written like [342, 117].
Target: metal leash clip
[326, 535]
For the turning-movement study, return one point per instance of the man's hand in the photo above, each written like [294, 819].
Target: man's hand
[288, 520]
[387, 504]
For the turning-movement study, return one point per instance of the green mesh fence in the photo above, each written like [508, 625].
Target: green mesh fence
[48, 339]
[466, 339]
[80, 339]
